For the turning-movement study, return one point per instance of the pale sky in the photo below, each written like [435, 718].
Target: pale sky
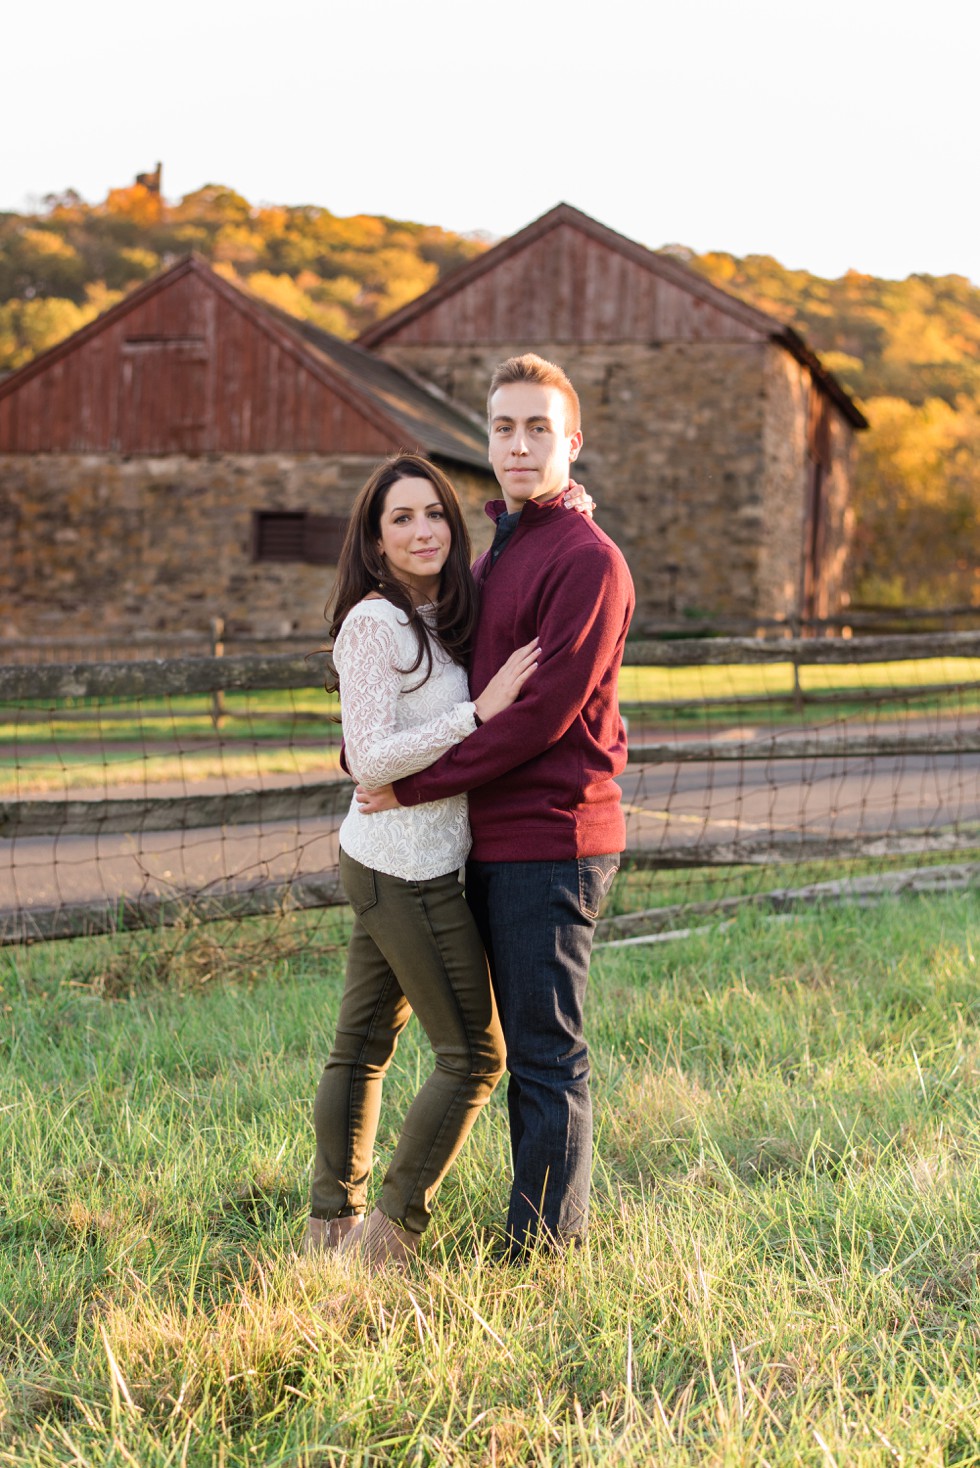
[831, 135]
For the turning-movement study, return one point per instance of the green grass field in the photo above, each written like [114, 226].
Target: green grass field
[693, 685]
[117, 743]
[638, 684]
[782, 1267]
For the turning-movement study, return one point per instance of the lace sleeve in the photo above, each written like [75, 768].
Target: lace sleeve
[378, 752]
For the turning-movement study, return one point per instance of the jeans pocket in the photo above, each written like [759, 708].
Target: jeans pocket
[358, 883]
[595, 877]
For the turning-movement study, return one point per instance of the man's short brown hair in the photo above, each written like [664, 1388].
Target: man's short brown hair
[531, 368]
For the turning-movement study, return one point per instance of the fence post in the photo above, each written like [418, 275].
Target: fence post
[796, 623]
[217, 651]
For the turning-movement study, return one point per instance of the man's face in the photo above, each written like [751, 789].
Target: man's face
[530, 447]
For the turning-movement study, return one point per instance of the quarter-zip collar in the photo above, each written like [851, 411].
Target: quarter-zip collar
[534, 512]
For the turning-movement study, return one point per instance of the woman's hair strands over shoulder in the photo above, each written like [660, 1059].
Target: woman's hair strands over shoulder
[361, 568]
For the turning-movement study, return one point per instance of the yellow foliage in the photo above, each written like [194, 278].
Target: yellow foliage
[279, 290]
[188, 237]
[98, 298]
[916, 337]
[399, 292]
[227, 271]
[212, 204]
[841, 362]
[239, 243]
[28, 328]
[137, 203]
[288, 295]
[721, 268]
[909, 445]
[342, 290]
[341, 273]
[330, 318]
[141, 262]
[272, 220]
[402, 276]
[917, 497]
[359, 232]
[46, 243]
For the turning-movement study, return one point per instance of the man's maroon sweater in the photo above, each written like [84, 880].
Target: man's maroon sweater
[540, 775]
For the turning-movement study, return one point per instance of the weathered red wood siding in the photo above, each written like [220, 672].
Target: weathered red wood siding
[568, 287]
[185, 370]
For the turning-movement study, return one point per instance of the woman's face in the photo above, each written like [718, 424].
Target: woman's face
[415, 538]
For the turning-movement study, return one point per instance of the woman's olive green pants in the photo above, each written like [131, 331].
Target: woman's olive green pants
[414, 947]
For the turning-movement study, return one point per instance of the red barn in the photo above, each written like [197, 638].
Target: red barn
[194, 452]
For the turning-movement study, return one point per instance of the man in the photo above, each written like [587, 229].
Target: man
[544, 806]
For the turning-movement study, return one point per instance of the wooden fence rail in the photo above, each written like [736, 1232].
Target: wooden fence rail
[322, 889]
[856, 618]
[172, 677]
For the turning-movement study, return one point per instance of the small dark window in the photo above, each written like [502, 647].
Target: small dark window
[279, 537]
[284, 535]
[324, 539]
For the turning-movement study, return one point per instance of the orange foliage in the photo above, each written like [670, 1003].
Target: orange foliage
[136, 203]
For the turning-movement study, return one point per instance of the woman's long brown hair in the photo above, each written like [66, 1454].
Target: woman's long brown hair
[361, 568]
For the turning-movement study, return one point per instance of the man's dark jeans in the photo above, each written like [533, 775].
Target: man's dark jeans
[537, 919]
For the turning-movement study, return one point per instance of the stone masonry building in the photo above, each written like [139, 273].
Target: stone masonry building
[717, 445]
[194, 452]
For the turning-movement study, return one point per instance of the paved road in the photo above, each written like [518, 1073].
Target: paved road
[670, 808]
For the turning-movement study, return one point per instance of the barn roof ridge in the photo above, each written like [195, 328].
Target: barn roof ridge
[669, 269]
[447, 429]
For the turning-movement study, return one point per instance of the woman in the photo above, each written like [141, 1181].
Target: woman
[403, 614]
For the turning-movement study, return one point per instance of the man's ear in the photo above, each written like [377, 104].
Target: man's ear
[576, 442]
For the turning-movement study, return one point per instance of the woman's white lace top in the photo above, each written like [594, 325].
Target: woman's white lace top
[393, 727]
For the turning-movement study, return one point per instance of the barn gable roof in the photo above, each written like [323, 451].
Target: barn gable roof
[733, 318]
[446, 428]
[397, 408]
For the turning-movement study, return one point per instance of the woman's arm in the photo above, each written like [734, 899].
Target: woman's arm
[367, 658]
[583, 627]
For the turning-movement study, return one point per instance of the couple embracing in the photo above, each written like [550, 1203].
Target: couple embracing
[522, 752]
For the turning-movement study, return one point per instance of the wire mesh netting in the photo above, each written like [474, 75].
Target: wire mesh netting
[144, 794]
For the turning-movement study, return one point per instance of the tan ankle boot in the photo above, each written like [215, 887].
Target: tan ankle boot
[327, 1235]
[384, 1244]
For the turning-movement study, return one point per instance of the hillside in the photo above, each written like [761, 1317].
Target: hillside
[908, 350]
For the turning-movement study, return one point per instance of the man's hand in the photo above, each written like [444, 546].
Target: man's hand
[507, 682]
[369, 802]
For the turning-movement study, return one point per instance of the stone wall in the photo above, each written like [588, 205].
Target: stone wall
[785, 495]
[833, 593]
[674, 452]
[783, 488]
[696, 454]
[106, 544]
